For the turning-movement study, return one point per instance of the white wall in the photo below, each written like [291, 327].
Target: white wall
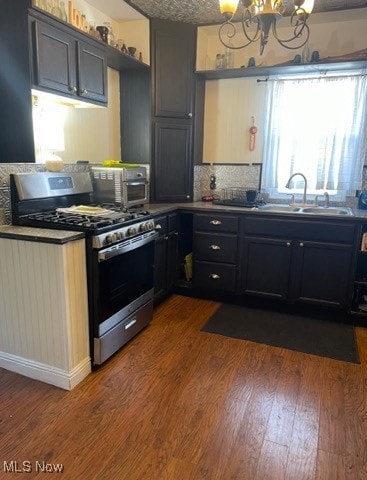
[230, 104]
[229, 108]
[331, 34]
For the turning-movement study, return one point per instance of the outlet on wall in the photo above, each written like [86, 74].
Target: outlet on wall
[213, 185]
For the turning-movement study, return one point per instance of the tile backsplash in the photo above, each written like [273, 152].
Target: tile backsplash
[227, 176]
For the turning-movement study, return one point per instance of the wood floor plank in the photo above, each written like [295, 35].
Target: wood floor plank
[281, 419]
[272, 462]
[332, 424]
[304, 440]
[330, 465]
[177, 403]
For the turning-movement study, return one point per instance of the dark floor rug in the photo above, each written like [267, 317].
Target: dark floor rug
[323, 335]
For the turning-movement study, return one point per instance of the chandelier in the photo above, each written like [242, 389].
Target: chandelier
[259, 17]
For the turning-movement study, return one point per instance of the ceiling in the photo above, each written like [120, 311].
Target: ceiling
[207, 11]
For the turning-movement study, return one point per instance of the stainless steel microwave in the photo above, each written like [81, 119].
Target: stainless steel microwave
[122, 186]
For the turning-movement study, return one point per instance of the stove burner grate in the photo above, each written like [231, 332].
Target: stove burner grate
[84, 221]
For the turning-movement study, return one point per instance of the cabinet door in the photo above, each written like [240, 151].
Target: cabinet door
[172, 259]
[54, 59]
[92, 72]
[173, 65]
[172, 167]
[265, 267]
[323, 273]
[160, 261]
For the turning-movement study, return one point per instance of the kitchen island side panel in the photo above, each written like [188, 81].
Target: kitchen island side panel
[44, 310]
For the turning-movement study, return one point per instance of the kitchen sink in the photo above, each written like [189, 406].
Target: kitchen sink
[279, 208]
[310, 210]
[327, 210]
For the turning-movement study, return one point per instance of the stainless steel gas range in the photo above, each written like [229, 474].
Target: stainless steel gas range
[119, 251]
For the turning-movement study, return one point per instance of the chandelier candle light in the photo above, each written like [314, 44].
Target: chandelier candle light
[261, 16]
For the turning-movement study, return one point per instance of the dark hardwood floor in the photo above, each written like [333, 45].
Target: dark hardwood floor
[178, 404]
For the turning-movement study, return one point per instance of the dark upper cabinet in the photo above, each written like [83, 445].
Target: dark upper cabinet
[92, 71]
[67, 65]
[174, 98]
[173, 50]
[16, 132]
[173, 166]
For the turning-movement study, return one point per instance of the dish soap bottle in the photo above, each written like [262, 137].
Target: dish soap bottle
[362, 199]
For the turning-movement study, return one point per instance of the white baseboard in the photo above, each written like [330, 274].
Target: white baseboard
[46, 373]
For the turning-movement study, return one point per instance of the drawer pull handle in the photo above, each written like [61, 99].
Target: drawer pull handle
[214, 247]
[215, 222]
[301, 244]
[158, 227]
[288, 244]
[130, 324]
[214, 276]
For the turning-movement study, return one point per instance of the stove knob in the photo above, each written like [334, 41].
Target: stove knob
[118, 235]
[143, 227]
[110, 238]
[131, 231]
[150, 225]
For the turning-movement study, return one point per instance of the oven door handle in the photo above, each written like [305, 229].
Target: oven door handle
[126, 246]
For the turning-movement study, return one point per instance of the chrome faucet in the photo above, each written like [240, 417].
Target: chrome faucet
[305, 189]
[326, 200]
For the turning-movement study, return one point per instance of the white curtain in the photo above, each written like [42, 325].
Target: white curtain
[316, 126]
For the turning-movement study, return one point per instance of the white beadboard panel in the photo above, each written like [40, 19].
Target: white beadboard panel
[43, 302]
[229, 107]
[45, 373]
[75, 284]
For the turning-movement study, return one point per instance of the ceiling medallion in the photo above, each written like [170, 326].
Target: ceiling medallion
[259, 17]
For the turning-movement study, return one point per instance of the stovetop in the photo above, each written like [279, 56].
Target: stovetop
[90, 224]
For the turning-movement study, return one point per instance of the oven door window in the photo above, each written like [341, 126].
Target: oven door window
[136, 192]
[122, 279]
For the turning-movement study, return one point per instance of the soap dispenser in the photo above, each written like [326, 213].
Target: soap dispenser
[362, 199]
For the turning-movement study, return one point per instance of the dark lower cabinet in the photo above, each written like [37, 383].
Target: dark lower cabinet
[266, 267]
[215, 243]
[323, 273]
[215, 276]
[166, 256]
[317, 270]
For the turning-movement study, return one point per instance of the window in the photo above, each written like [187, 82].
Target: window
[316, 126]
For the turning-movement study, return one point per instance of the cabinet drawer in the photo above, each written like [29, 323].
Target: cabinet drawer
[216, 223]
[215, 247]
[214, 276]
[305, 230]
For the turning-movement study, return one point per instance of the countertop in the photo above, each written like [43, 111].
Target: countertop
[63, 236]
[45, 235]
[162, 208]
